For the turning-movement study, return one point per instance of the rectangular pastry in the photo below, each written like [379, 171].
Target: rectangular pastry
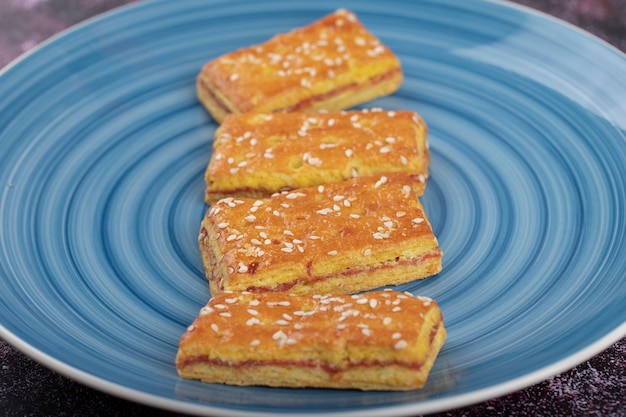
[331, 64]
[256, 155]
[338, 238]
[384, 340]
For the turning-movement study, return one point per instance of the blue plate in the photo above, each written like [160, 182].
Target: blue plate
[103, 147]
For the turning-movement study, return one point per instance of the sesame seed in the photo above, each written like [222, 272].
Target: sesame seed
[214, 327]
[252, 312]
[362, 301]
[222, 225]
[255, 302]
[391, 113]
[255, 241]
[276, 213]
[366, 331]
[250, 218]
[385, 149]
[191, 328]
[233, 77]
[230, 300]
[349, 153]
[380, 182]
[396, 309]
[287, 316]
[255, 342]
[387, 321]
[281, 322]
[220, 306]
[231, 237]
[225, 314]
[396, 335]
[279, 335]
[286, 250]
[367, 252]
[320, 188]
[354, 215]
[373, 303]
[242, 268]
[403, 160]
[402, 344]
[206, 310]
[417, 220]
[400, 213]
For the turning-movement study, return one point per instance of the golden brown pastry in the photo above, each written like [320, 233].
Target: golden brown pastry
[332, 64]
[336, 238]
[384, 340]
[256, 155]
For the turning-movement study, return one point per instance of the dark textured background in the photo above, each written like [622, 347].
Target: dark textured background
[594, 388]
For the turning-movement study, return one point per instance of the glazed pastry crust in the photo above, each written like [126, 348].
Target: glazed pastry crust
[383, 340]
[338, 238]
[256, 155]
[331, 64]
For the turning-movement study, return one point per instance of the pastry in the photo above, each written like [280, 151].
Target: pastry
[331, 64]
[337, 238]
[383, 340]
[256, 155]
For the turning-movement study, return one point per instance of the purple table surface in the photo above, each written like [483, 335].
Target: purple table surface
[594, 388]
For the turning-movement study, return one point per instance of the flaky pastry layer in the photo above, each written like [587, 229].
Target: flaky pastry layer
[338, 238]
[256, 155]
[383, 340]
[331, 64]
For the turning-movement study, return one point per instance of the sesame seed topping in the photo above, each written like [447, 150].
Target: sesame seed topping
[214, 327]
[252, 321]
[362, 301]
[225, 314]
[332, 253]
[400, 213]
[380, 182]
[373, 303]
[222, 225]
[366, 331]
[349, 153]
[282, 322]
[367, 252]
[279, 335]
[396, 335]
[220, 306]
[233, 77]
[387, 321]
[286, 250]
[255, 302]
[255, 342]
[250, 218]
[403, 160]
[230, 300]
[417, 220]
[402, 344]
[354, 215]
[252, 312]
